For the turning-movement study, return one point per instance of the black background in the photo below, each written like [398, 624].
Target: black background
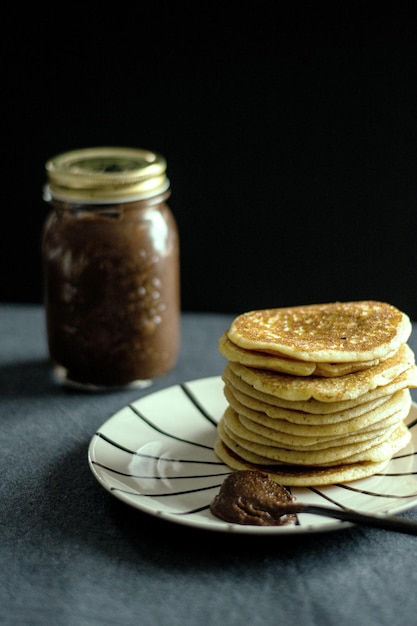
[289, 131]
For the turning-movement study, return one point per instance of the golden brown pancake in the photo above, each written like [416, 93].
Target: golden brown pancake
[331, 333]
[335, 389]
[341, 369]
[284, 422]
[296, 416]
[377, 449]
[295, 476]
[316, 394]
[263, 360]
[262, 434]
[312, 407]
[245, 428]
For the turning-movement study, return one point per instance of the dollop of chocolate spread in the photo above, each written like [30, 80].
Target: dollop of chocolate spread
[250, 497]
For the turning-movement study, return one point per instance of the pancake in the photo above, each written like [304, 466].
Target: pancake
[283, 424]
[255, 431]
[294, 476]
[245, 428]
[363, 450]
[331, 333]
[338, 389]
[316, 394]
[382, 449]
[406, 379]
[263, 360]
[295, 416]
[341, 369]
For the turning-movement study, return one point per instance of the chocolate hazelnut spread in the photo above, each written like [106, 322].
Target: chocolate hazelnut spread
[250, 497]
[112, 300]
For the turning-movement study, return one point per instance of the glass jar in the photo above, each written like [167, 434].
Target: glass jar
[110, 255]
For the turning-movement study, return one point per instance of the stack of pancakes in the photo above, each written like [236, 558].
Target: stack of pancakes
[316, 394]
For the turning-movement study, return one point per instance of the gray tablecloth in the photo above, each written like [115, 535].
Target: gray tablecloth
[71, 554]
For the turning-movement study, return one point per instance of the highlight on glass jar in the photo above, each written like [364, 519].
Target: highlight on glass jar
[110, 253]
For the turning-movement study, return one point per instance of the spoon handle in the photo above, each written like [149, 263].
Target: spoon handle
[387, 522]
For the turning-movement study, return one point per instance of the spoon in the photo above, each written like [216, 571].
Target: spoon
[387, 522]
[251, 495]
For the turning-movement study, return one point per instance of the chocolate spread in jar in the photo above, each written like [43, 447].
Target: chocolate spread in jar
[250, 497]
[111, 267]
[112, 291]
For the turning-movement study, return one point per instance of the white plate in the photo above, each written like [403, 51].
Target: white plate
[156, 455]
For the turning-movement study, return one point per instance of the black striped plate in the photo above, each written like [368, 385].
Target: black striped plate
[156, 455]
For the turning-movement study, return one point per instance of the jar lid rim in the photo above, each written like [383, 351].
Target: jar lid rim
[112, 173]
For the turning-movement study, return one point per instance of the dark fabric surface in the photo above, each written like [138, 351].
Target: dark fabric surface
[72, 554]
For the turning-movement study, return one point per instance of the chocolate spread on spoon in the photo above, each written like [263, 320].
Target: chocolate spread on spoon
[250, 497]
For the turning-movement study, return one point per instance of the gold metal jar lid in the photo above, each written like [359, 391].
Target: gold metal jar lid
[106, 175]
